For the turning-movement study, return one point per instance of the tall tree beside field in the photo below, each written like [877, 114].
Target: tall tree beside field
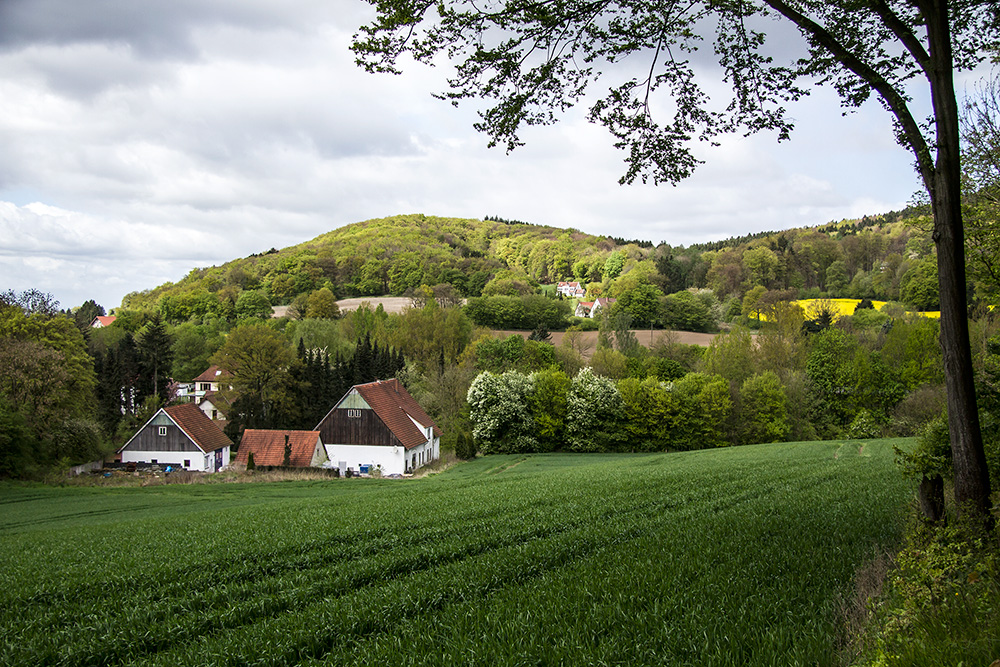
[533, 61]
[548, 407]
[594, 414]
[154, 344]
[258, 359]
[763, 410]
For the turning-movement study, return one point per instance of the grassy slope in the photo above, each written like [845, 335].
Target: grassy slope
[712, 557]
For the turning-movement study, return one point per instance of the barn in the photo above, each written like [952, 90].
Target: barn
[182, 436]
[379, 424]
[305, 449]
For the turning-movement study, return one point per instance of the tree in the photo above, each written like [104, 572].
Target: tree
[86, 313]
[594, 412]
[253, 304]
[322, 305]
[684, 311]
[763, 409]
[548, 407]
[155, 350]
[258, 359]
[981, 179]
[534, 60]
[499, 410]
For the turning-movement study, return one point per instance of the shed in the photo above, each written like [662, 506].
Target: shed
[268, 448]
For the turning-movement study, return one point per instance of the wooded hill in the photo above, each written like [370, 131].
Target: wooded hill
[888, 257]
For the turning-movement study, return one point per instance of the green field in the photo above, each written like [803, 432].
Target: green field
[714, 557]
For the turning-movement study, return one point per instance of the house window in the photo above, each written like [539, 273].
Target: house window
[205, 386]
[153, 461]
[162, 430]
[187, 463]
[354, 413]
[215, 414]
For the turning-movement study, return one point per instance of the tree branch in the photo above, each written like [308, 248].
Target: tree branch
[895, 101]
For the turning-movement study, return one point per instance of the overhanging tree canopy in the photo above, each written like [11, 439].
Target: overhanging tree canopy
[533, 59]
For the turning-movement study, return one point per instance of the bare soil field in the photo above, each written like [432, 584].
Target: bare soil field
[391, 304]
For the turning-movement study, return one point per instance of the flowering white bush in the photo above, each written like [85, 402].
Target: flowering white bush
[501, 420]
[594, 412]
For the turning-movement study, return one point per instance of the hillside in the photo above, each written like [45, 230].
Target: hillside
[888, 257]
[388, 256]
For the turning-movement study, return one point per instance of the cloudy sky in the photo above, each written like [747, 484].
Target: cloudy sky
[141, 139]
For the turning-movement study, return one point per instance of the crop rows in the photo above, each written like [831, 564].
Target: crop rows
[716, 557]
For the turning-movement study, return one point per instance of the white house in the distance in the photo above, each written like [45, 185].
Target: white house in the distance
[202, 391]
[380, 424]
[571, 289]
[102, 321]
[590, 308]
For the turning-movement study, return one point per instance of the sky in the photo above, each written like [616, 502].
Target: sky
[139, 140]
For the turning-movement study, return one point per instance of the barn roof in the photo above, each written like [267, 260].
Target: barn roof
[268, 447]
[398, 410]
[202, 431]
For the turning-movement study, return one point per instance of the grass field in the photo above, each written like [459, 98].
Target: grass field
[715, 557]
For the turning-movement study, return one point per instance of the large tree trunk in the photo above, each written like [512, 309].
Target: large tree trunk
[972, 484]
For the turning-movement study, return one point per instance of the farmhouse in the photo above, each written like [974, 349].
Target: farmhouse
[590, 308]
[380, 424]
[182, 436]
[570, 289]
[203, 391]
[305, 449]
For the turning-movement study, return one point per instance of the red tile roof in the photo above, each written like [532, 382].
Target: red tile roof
[211, 375]
[203, 431]
[268, 447]
[104, 320]
[395, 407]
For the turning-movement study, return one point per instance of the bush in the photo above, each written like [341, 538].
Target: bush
[864, 426]
[918, 408]
[465, 446]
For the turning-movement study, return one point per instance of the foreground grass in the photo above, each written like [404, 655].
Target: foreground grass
[734, 556]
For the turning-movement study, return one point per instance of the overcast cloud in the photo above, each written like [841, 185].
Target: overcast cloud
[142, 139]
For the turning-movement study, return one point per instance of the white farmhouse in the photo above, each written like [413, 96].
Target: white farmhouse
[380, 424]
[181, 436]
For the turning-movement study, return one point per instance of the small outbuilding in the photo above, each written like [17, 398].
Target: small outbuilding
[380, 425]
[305, 449]
[181, 436]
